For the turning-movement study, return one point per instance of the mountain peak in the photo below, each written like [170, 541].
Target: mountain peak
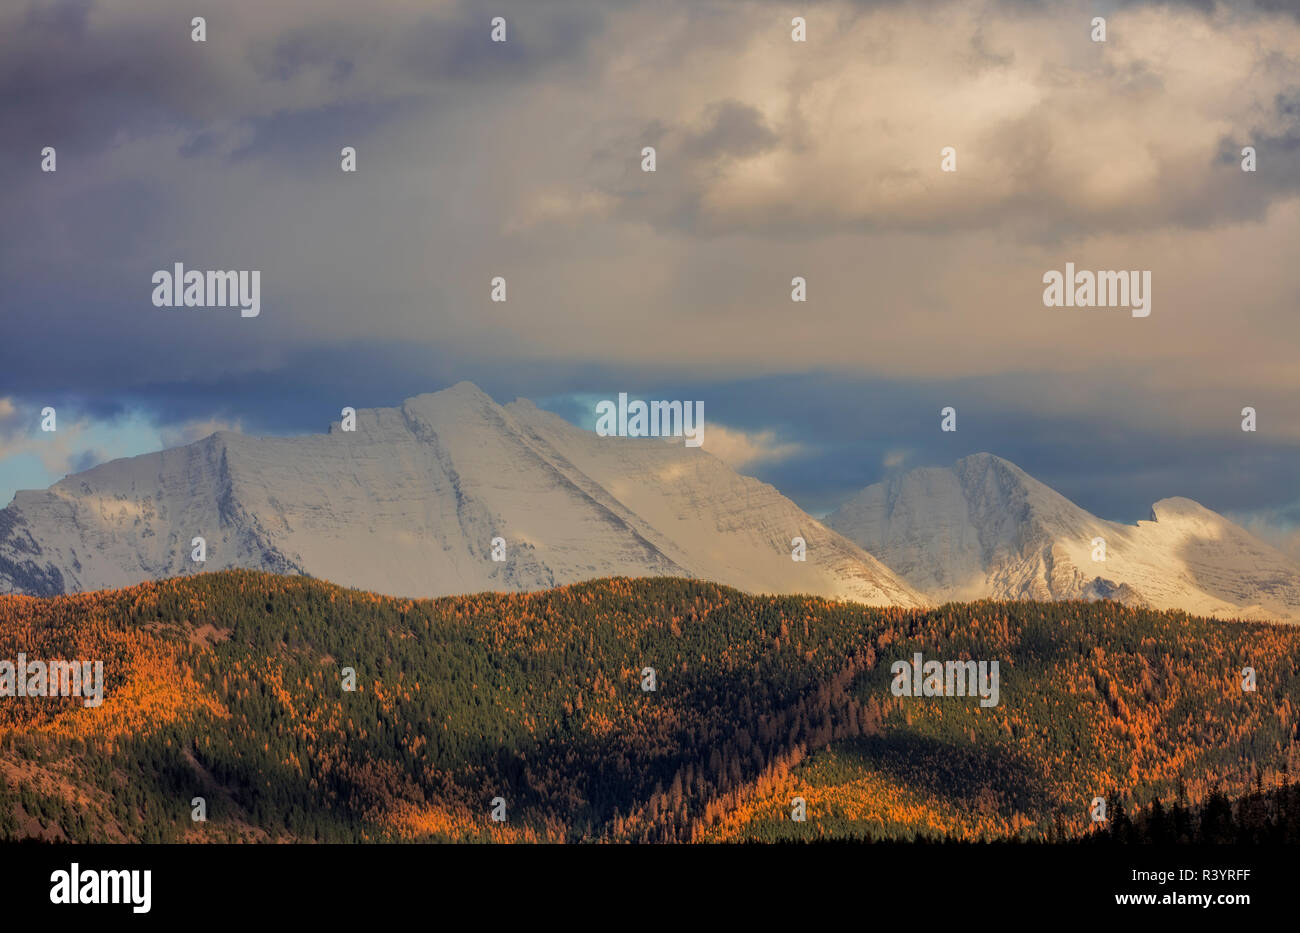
[463, 393]
[450, 493]
[465, 389]
[1180, 507]
[984, 458]
[980, 464]
[985, 528]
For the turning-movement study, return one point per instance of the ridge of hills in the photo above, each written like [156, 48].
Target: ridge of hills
[229, 686]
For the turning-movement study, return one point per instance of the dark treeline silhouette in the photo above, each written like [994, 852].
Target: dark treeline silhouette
[1261, 817]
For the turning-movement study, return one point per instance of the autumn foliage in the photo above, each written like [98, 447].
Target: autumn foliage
[228, 686]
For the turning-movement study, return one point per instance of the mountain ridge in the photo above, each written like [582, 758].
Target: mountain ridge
[409, 503]
[983, 528]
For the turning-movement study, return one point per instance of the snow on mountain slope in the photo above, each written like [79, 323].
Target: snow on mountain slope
[409, 503]
[985, 528]
[725, 526]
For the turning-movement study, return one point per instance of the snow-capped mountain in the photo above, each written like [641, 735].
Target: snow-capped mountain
[985, 528]
[409, 503]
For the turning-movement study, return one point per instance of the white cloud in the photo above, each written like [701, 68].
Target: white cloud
[1279, 526]
[57, 450]
[559, 206]
[738, 448]
[33, 459]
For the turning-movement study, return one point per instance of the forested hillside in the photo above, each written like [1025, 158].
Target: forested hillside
[229, 686]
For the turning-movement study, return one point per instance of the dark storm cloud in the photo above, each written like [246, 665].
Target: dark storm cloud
[1277, 170]
[732, 128]
[459, 48]
[308, 384]
[225, 155]
[321, 131]
[64, 84]
[847, 429]
[327, 52]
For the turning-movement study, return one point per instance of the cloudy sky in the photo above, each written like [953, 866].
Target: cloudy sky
[775, 159]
